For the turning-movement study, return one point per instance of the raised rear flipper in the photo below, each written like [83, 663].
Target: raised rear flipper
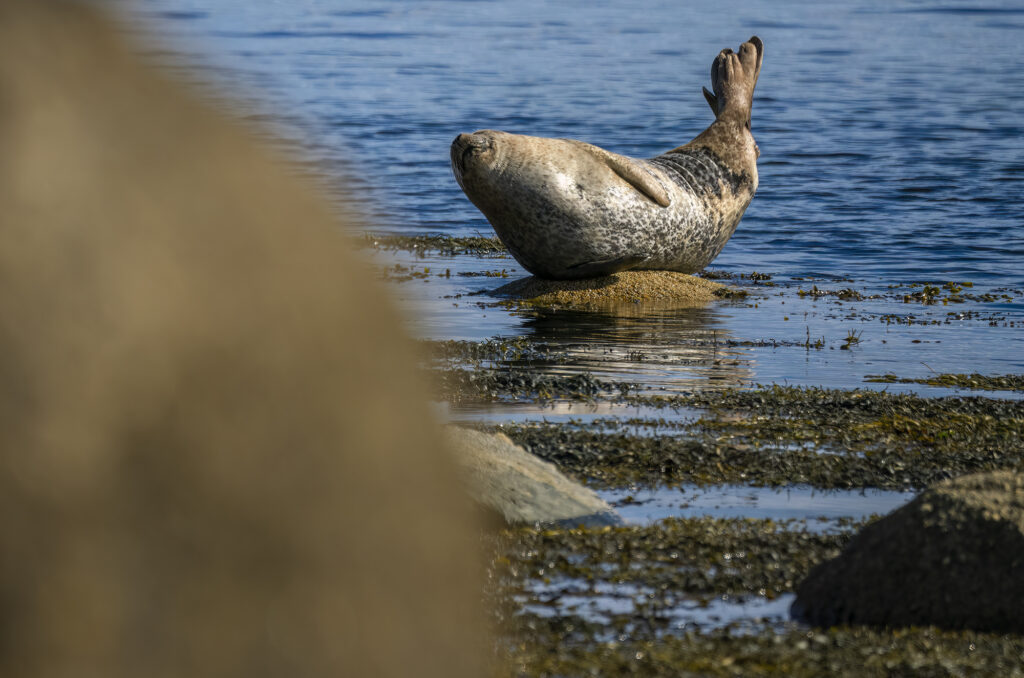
[733, 77]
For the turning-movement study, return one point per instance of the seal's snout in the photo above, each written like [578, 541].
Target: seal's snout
[459, 146]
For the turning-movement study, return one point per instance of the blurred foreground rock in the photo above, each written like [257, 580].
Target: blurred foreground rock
[521, 488]
[953, 557]
[627, 287]
[214, 457]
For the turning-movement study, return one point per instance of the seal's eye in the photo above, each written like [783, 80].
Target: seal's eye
[747, 123]
[481, 144]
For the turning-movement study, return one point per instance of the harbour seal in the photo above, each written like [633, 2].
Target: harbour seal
[567, 209]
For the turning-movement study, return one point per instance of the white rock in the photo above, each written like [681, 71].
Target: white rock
[519, 486]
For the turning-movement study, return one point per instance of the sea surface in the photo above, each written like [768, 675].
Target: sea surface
[891, 136]
[891, 133]
[892, 156]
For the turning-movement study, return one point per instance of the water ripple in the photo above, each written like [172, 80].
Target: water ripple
[874, 146]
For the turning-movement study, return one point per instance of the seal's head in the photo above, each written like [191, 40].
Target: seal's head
[490, 164]
[474, 154]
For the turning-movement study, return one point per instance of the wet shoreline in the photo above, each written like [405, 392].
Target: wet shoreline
[732, 490]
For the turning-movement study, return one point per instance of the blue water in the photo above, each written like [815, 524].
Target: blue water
[891, 151]
[891, 133]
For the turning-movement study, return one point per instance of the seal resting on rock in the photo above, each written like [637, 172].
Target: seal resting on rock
[567, 209]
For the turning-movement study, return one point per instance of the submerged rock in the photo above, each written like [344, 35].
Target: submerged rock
[521, 488]
[618, 288]
[952, 558]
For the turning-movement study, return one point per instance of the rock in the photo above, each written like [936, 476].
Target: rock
[627, 287]
[216, 458]
[953, 557]
[521, 488]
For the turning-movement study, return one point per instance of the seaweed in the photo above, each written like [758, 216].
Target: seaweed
[974, 381]
[444, 244]
[686, 563]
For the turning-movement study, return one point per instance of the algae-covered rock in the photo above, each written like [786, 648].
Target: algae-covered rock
[618, 288]
[521, 488]
[952, 557]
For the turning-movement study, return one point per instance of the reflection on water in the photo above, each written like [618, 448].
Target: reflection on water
[819, 508]
[667, 349]
[602, 601]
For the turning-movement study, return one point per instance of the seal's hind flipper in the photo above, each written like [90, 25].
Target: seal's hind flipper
[630, 171]
[733, 77]
[593, 269]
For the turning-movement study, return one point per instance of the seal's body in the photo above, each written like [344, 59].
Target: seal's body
[567, 209]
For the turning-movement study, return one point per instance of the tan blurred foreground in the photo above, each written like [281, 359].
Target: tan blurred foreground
[215, 458]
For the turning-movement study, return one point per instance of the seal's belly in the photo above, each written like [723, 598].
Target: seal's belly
[580, 221]
[562, 221]
[708, 202]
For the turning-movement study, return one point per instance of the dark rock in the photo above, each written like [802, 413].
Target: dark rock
[952, 558]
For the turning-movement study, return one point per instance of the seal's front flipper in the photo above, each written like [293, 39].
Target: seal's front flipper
[639, 178]
[630, 171]
[593, 269]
